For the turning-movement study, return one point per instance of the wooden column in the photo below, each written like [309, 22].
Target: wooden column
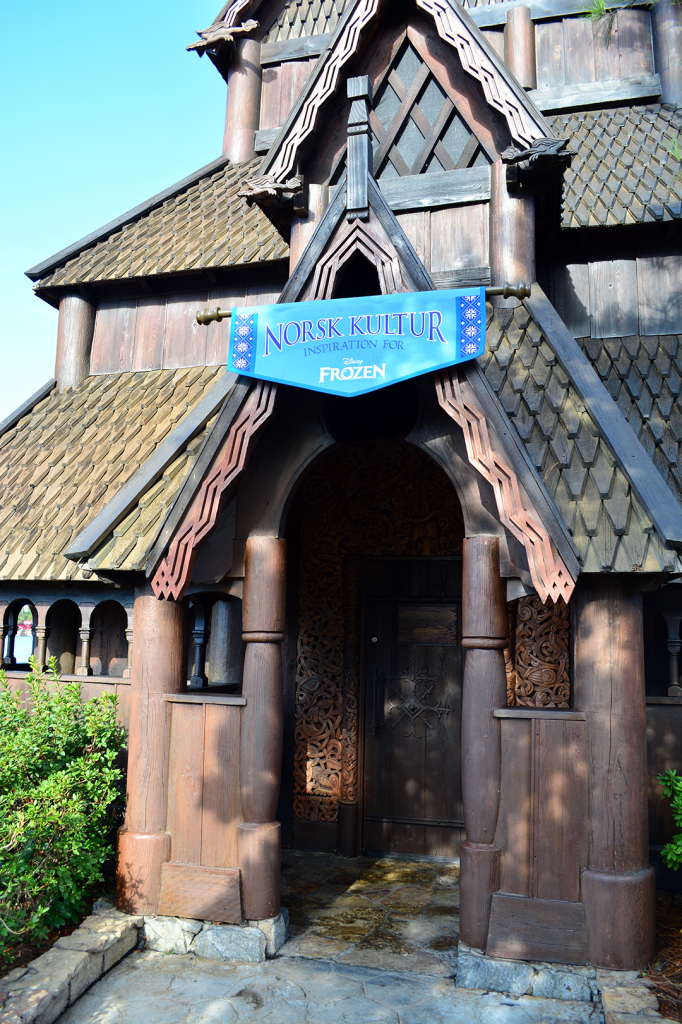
[158, 668]
[484, 634]
[667, 32]
[512, 233]
[85, 634]
[261, 732]
[242, 119]
[74, 340]
[130, 615]
[617, 889]
[303, 227]
[519, 46]
[41, 632]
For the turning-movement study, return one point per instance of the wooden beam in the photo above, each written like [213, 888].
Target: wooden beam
[150, 471]
[468, 276]
[640, 470]
[496, 14]
[596, 94]
[265, 138]
[26, 407]
[441, 188]
[293, 49]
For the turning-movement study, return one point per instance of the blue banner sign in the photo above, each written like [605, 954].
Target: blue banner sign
[352, 346]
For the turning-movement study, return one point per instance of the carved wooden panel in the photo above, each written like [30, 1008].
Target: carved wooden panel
[542, 654]
[510, 654]
[369, 497]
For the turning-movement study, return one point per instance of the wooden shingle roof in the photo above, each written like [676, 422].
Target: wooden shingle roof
[624, 171]
[70, 455]
[300, 18]
[609, 524]
[207, 225]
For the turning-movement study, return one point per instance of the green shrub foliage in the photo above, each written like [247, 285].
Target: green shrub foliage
[59, 782]
[672, 789]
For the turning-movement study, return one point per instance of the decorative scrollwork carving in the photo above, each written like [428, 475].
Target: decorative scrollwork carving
[542, 654]
[510, 654]
[370, 497]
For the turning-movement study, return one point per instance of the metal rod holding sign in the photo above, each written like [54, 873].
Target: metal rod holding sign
[519, 291]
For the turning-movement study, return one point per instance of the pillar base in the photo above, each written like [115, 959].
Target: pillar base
[620, 912]
[138, 870]
[478, 879]
[260, 864]
[347, 836]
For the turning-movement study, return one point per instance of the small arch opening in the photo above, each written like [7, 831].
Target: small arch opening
[355, 278]
[108, 644]
[63, 621]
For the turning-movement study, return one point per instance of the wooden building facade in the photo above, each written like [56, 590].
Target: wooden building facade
[440, 619]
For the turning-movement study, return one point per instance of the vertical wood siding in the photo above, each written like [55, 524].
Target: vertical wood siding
[161, 332]
[450, 238]
[617, 298]
[570, 52]
[282, 84]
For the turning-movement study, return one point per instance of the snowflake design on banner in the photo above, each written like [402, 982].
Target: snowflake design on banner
[470, 324]
[242, 345]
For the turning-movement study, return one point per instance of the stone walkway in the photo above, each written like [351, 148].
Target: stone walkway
[371, 941]
[153, 988]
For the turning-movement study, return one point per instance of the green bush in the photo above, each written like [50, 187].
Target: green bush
[672, 789]
[58, 786]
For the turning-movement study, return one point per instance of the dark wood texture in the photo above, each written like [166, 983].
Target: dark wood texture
[260, 863]
[349, 838]
[519, 46]
[484, 631]
[128, 495]
[202, 893]
[609, 686]
[412, 798]
[74, 340]
[523, 929]
[108, 644]
[630, 455]
[157, 669]
[514, 829]
[243, 101]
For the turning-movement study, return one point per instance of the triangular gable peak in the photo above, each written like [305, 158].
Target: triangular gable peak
[454, 26]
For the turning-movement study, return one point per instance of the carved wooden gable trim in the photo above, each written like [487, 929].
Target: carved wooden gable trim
[526, 124]
[173, 575]
[371, 241]
[550, 576]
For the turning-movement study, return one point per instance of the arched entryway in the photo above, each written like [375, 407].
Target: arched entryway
[375, 539]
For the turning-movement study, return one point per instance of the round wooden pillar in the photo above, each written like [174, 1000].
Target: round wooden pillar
[667, 32]
[618, 887]
[512, 233]
[519, 46]
[262, 725]
[74, 340]
[158, 668]
[303, 227]
[484, 634]
[242, 117]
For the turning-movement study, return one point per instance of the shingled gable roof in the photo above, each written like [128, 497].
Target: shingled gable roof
[456, 28]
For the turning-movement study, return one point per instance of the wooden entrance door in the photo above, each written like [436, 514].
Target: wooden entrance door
[412, 708]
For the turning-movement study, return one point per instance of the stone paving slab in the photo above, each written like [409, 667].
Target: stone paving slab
[153, 988]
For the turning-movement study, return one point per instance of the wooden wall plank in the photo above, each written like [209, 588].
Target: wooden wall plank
[270, 98]
[571, 297]
[513, 836]
[293, 75]
[560, 813]
[549, 54]
[202, 893]
[218, 334]
[261, 294]
[659, 287]
[417, 227]
[123, 707]
[460, 237]
[579, 50]
[523, 929]
[606, 53]
[184, 342]
[185, 782]
[150, 327]
[635, 44]
[112, 344]
[221, 808]
[613, 298]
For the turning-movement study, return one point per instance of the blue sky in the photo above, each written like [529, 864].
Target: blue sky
[101, 107]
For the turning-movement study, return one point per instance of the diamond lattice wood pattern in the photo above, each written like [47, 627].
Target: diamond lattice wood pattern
[416, 126]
